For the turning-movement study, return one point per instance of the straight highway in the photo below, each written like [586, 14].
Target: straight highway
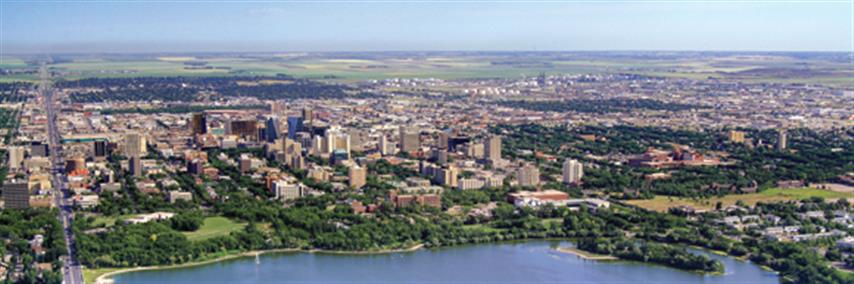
[71, 271]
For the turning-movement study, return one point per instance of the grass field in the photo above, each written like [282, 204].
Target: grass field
[214, 227]
[90, 275]
[663, 203]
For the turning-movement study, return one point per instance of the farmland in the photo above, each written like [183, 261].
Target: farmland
[354, 67]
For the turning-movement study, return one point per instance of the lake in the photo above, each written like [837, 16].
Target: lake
[522, 262]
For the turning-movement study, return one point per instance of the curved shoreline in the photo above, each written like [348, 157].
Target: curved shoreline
[104, 278]
[585, 255]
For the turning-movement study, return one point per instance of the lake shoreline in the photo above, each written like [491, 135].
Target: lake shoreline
[585, 254]
[107, 277]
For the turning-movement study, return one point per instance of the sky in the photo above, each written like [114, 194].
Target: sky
[45, 26]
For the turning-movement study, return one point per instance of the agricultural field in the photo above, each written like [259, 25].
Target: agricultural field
[214, 227]
[354, 67]
[664, 203]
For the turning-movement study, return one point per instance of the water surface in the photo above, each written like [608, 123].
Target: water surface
[524, 262]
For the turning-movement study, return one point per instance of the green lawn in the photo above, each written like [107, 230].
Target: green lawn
[214, 227]
[90, 275]
[663, 203]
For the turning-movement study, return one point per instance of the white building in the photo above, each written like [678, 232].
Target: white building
[573, 170]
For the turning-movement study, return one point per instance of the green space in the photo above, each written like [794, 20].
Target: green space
[92, 274]
[214, 227]
[663, 203]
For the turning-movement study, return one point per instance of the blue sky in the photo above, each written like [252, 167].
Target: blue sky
[123, 26]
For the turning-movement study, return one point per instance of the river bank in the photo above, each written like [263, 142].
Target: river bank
[106, 276]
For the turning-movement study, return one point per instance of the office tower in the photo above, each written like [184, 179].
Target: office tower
[447, 176]
[358, 137]
[736, 136]
[291, 148]
[297, 162]
[342, 142]
[443, 140]
[441, 157]
[100, 149]
[492, 148]
[328, 143]
[383, 146]
[782, 138]
[199, 123]
[135, 166]
[134, 144]
[475, 150]
[358, 176]
[528, 175]
[272, 131]
[308, 115]
[16, 157]
[317, 145]
[16, 194]
[295, 124]
[410, 139]
[244, 128]
[573, 170]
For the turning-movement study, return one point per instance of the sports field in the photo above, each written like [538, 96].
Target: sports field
[663, 203]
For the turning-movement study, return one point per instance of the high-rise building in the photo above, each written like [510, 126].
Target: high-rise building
[410, 139]
[358, 176]
[528, 175]
[135, 145]
[475, 150]
[383, 146]
[441, 157]
[16, 194]
[492, 148]
[244, 128]
[295, 124]
[358, 137]
[199, 123]
[308, 115]
[272, 131]
[447, 176]
[16, 156]
[329, 143]
[443, 140]
[736, 136]
[573, 170]
[135, 166]
[782, 138]
[100, 149]
[342, 142]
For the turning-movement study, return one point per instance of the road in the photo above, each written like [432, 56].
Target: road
[71, 271]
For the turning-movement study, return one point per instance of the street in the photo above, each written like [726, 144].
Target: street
[72, 273]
